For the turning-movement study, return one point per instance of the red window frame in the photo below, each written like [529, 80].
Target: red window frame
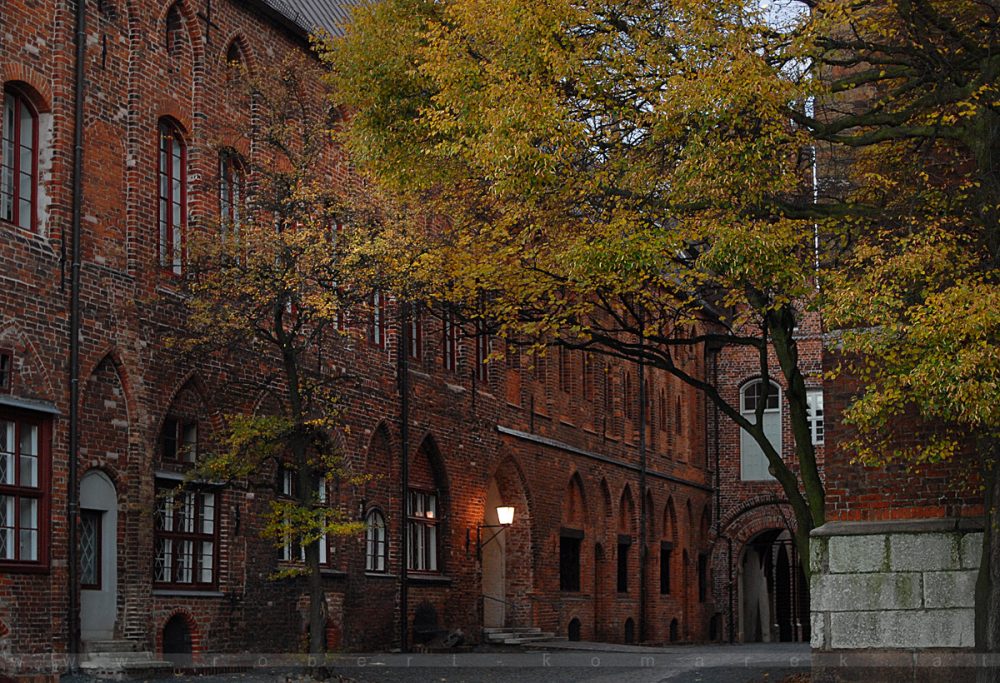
[171, 501]
[19, 103]
[19, 492]
[172, 229]
[175, 446]
[423, 521]
[6, 371]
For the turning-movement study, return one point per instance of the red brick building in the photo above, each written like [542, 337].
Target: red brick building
[559, 440]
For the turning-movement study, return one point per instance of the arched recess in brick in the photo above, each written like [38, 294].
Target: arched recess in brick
[105, 423]
[178, 639]
[607, 508]
[428, 476]
[627, 543]
[507, 569]
[754, 535]
[30, 377]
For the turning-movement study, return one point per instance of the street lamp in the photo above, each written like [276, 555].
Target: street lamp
[505, 517]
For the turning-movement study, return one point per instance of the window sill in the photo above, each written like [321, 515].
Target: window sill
[9, 567]
[380, 575]
[332, 573]
[180, 593]
[429, 579]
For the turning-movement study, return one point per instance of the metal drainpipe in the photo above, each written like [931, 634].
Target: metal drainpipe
[642, 490]
[404, 467]
[73, 499]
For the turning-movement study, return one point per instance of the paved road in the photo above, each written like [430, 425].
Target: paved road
[569, 663]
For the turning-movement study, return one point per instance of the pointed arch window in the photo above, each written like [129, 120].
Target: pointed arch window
[376, 548]
[19, 160]
[174, 30]
[172, 196]
[232, 193]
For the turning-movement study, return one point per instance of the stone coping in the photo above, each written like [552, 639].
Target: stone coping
[898, 526]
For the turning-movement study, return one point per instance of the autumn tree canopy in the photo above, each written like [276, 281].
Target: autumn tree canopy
[613, 174]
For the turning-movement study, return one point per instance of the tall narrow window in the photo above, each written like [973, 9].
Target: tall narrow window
[416, 341]
[586, 378]
[702, 577]
[90, 549]
[19, 161]
[172, 196]
[6, 371]
[624, 545]
[570, 541]
[628, 399]
[232, 193]
[174, 34]
[377, 331]
[482, 352]
[449, 343]
[753, 462]
[23, 463]
[422, 526]
[666, 550]
[565, 381]
[608, 399]
[376, 549]
[814, 404]
[663, 410]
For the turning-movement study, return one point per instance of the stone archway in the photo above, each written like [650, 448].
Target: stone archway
[98, 556]
[506, 552]
[772, 590]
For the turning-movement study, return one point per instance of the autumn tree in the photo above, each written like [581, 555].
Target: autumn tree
[618, 177]
[616, 173]
[266, 292]
[907, 124]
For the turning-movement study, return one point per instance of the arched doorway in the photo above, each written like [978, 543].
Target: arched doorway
[98, 556]
[494, 563]
[504, 593]
[773, 593]
[177, 643]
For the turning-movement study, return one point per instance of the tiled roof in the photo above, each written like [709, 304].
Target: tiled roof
[310, 15]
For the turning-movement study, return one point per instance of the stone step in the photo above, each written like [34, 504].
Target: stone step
[118, 645]
[511, 629]
[121, 660]
[534, 638]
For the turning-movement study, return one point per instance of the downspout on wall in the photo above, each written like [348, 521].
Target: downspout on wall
[402, 351]
[73, 497]
[643, 551]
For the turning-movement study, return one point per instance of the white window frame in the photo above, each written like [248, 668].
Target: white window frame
[817, 425]
[753, 462]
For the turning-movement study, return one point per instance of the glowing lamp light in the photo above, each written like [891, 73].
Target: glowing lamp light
[505, 515]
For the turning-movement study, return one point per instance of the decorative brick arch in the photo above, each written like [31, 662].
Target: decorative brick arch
[193, 629]
[32, 370]
[245, 47]
[114, 355]
[31, 83]
[191, 25]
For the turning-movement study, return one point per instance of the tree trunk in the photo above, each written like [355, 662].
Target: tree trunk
[988, 584]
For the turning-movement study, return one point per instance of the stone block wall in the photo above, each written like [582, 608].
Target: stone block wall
[894, 585]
